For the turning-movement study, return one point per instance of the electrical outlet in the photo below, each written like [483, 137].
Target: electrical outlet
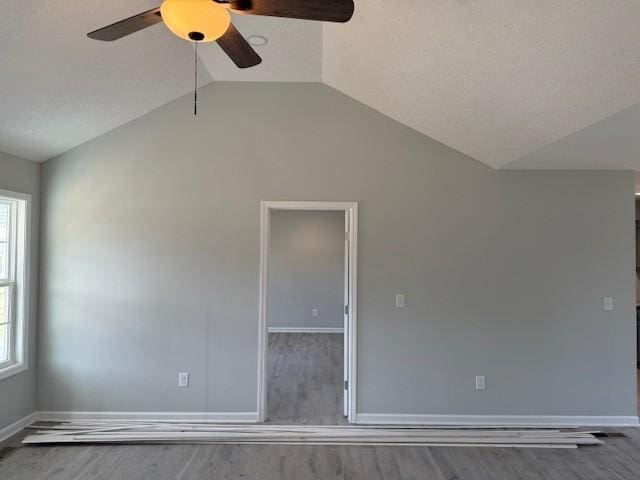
[183, 379]
[314, 312]
[608, 304]
[480, 382]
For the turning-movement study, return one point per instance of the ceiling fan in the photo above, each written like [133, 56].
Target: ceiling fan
[201, 21]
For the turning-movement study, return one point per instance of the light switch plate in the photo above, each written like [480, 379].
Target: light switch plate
[480, 383]
[400, 300]
[183, 379]
[608, 304]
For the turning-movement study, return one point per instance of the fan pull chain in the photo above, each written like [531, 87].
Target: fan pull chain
[195, 81]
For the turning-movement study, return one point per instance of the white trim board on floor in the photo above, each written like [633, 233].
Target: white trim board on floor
[217, 417]
[463, 421]
[497, 420]
[306, 330]
[10, 430]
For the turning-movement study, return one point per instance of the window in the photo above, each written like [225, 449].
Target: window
[13, 282]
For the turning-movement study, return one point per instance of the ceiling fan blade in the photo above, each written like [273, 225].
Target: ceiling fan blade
[323, 10]
[127, 26]
[238, 49]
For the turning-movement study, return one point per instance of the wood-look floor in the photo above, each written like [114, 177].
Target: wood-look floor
[305, 378]
[617, 459]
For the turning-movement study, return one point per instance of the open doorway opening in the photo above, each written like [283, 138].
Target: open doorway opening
[305, 317]
[307, 313]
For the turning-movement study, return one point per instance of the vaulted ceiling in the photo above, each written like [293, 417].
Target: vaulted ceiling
[514, 84]
[59, 89]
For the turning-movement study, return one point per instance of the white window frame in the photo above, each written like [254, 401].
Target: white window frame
[19, 262]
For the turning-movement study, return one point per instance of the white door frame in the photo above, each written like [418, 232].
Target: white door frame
[351, 210]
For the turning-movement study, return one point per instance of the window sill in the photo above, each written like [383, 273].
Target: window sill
[12, 369]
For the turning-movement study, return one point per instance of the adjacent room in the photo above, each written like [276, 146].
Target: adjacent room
[319, 239]
[306, 317]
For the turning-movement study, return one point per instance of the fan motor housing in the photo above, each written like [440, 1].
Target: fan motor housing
[196, 36]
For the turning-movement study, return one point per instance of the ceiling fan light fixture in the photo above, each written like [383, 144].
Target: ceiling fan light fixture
[195, 20]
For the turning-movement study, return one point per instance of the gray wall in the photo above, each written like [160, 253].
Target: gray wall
[150, 263]
[18, 392]
[306, 269]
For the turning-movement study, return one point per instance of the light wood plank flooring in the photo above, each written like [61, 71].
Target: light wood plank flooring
[305, 378]
[618, 459]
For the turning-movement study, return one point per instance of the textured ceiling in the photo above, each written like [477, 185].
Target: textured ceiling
[495, 80]
[293, 54]
[610, 143]
[59, 89]
[514, 84]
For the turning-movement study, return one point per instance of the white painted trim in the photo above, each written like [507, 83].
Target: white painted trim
[353, 312]
[305, 330]
[304, 205]
[24, 300]
[497, 420]
[263, 340]
[220, 417]
[10, 430]
[13, 369]
[265, 207]
[346, 293]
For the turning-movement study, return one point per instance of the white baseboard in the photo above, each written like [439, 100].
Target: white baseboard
[15, 427]
[305, 330]
[497, 420]
[220, 417]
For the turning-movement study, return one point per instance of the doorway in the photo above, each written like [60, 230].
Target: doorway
[331, 338]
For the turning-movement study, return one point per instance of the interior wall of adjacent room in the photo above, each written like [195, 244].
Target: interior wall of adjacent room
[306, 269]
[18, 392]
[151, 263]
